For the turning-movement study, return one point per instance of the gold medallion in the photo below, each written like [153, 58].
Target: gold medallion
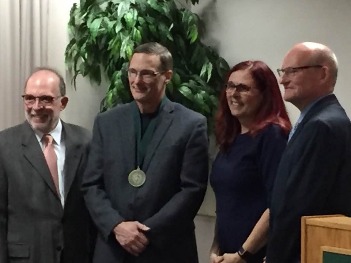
[137, 177]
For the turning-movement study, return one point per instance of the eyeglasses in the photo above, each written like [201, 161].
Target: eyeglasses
[241, 88]
[145, 74]
[44, 100]
[292, 70]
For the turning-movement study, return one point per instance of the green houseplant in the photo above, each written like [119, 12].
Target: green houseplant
[104, 34]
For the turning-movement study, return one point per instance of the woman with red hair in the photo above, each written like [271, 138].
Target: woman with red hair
[252, 127]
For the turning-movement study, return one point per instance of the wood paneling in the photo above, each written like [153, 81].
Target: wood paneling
[318, 231]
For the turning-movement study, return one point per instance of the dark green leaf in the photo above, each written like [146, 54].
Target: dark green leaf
[154, 4]
[103, 35]
[136, 36]
[170, 87]
[186, 92]
[199, 99]
[176, 79]
[94, 27]
[193, 33]
[119, 26]
[109, 24]
[209, 68]
[116, 2]
[131, 18]
[123, 8]
[203, 70]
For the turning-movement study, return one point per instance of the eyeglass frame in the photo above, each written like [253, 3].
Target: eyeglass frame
[243, 89]
[41, 99]
[147, 75]
[291, 70]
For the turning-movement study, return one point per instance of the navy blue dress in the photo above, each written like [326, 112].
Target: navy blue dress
[242, 179]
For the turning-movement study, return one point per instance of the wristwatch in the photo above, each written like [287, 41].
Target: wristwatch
[245, 255]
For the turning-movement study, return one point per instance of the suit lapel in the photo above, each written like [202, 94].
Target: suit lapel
[316, 109]
[125, 127]
[164, 122]
[72, 157]
[34, 154]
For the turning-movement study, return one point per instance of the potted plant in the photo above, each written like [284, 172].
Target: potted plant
[104, 34]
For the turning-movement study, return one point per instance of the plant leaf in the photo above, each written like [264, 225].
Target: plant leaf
[94, 27]
[103, 35]
[209, 68]
[123, 8]
[129, 18]
[193, 33]
[119, 26]
[186, 92]
[199, 99]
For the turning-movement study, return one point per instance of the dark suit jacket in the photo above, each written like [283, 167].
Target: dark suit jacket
[34, 227]
[313, 178]
[176, 167]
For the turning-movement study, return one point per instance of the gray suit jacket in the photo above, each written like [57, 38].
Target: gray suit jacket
[176, 167]
[34, 227]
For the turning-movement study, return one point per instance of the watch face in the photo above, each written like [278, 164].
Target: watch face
[244, 254]
[241, 251]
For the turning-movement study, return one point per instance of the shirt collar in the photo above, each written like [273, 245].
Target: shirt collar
[309, 106]
[55, 133]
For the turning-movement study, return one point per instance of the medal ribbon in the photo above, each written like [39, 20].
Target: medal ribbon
[143, 140]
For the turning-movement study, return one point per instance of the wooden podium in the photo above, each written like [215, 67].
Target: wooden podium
[326, 239]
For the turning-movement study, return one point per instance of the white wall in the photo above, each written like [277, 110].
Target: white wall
[265, 30]
[84, 101]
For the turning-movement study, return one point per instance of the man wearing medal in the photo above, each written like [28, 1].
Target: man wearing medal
[147, 170]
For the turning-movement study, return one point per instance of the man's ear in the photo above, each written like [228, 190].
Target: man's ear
[325, 73]
[64, 101]
[168, 74]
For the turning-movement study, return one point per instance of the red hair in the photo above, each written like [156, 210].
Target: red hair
[272, 110]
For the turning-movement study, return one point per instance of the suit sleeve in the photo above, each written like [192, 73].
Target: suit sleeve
[100, 208]
[178, 213]
[3, 214]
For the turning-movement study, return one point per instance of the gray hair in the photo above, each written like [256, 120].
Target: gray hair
[154, 48]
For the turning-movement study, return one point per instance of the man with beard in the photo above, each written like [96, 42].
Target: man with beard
[43, 218]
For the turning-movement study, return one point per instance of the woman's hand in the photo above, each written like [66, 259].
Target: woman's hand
[214, 258]
[232, 258]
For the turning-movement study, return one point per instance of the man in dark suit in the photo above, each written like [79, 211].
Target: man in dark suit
[147, 170]
[40, 221]
[314, 176]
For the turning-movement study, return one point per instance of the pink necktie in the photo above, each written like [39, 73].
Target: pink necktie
[51, 159]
